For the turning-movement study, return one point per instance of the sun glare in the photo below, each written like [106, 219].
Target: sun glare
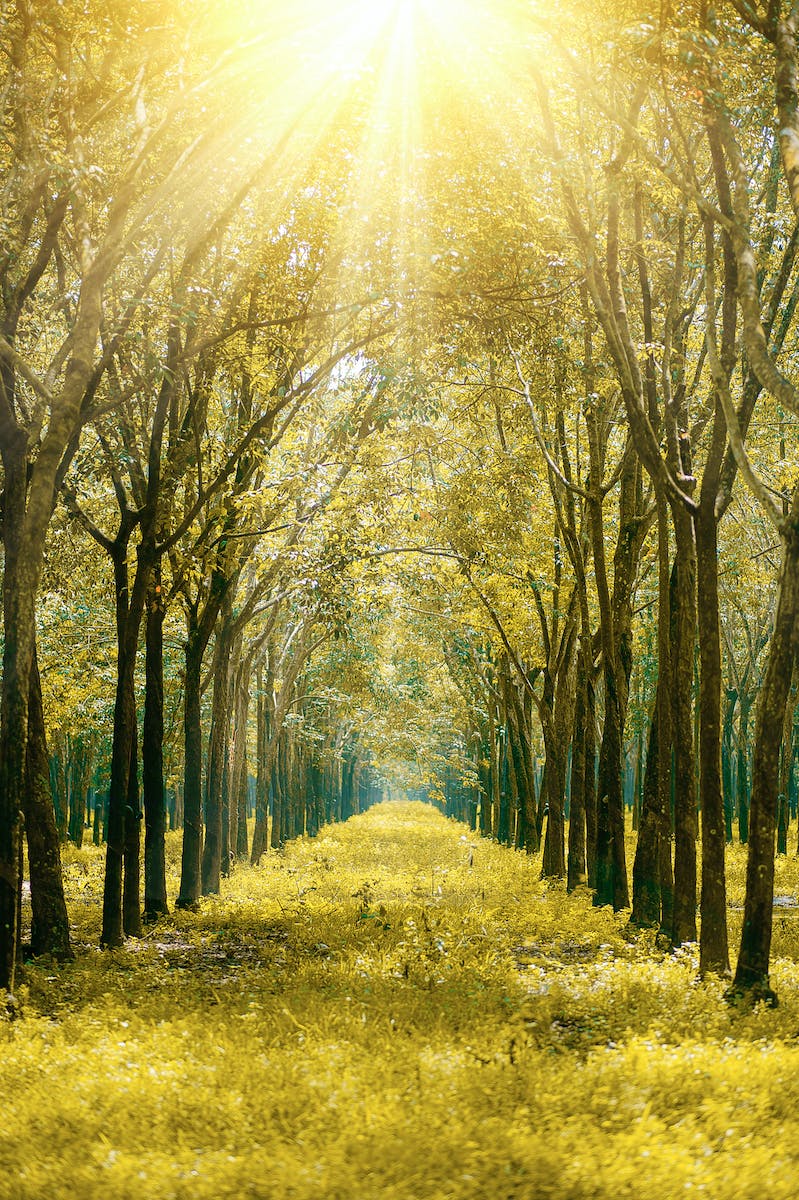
[384, 81]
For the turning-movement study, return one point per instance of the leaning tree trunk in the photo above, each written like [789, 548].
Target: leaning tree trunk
[752, 971]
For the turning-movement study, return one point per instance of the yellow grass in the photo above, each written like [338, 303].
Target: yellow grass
[370, 1016]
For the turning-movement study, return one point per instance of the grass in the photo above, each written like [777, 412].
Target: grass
[394, 1010]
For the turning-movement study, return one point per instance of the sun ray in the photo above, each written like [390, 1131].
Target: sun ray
[398, 90]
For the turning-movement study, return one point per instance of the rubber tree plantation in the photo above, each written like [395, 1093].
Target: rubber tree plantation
[399, 510]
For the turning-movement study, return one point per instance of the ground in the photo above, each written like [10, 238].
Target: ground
[396, 1010]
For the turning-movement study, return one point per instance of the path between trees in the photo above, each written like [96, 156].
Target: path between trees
[393, 1009]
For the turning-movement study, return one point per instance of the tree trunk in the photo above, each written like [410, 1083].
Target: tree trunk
[155, 898]
[611, 867]
[554, 862]
[684, 634]
[50, 923]
[590, 779]
[261, 830]
[212, 850]
[713, 949]
[494, 777]
[752, 971]
[786, 767]
[727, 765]
[121, 756]
[484, 775]
[20, 581]
[131, 893]
[519, 707]
[239, 772]
[742, 760]
[123, 807]
[646, 910]
[225, 854]
[576, 872]
[554, 858]
[190, 881]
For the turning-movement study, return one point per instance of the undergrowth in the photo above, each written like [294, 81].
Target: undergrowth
[395, 1010]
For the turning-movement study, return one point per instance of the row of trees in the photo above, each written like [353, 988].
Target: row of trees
[454, 499]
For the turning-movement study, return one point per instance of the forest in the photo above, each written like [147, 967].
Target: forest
[399, 507]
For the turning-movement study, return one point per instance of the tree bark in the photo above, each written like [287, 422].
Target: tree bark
[190, 879]
[646, 911]
[120, 912]
[576, 869]
[212, 850]
[559, 731]
[50, 923]
[742, 761]
[684, 635]
[590, 779]
[786, 766]
[131, 892]
[155, 897]
[20, 582]
[713, 948]
[752, 971]
[260, 835]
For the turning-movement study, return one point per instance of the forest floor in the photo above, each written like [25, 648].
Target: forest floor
[396, 1010]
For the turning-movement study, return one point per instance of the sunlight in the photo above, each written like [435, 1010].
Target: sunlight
[389, 86]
